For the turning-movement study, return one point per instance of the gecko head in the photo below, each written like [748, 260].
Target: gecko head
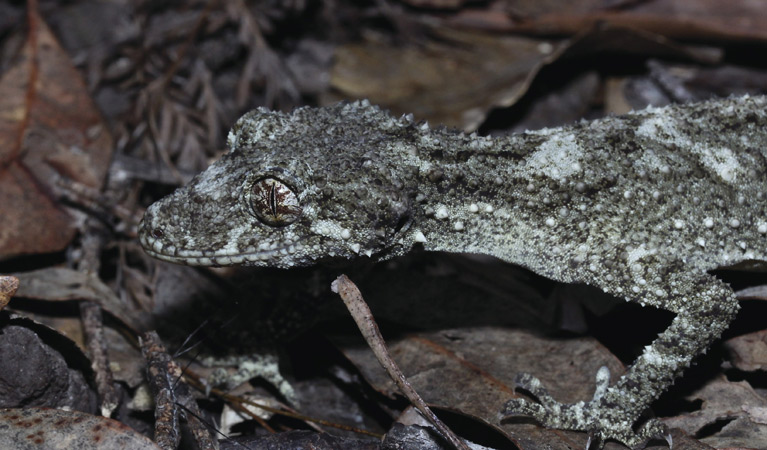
[294, 189]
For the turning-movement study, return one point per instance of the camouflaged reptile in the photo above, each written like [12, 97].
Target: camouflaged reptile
[641, 206]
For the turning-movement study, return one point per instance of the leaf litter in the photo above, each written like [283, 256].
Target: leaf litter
[170, 80]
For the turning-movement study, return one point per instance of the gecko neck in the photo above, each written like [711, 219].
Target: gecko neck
[468, 193]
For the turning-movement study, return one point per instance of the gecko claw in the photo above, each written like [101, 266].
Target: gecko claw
[594, 438]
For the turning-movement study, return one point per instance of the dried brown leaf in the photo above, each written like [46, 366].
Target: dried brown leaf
[724, 400]
[62, 284]
[49, 129]
[454, 85]
[459, 78]
[708, 20]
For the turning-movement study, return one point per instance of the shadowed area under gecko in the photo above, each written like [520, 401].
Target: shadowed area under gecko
[641, 206]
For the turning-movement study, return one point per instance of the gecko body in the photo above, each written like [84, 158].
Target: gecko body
[641, 206]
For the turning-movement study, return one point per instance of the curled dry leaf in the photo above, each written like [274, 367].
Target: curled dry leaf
[49, 129]
[8, 287]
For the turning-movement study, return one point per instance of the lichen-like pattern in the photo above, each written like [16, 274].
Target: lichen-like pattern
[641, 206]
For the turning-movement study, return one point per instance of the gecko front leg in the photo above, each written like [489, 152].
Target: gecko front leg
[704, 307]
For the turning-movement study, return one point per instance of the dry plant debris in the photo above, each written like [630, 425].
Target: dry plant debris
[168, 80]
[42, 140]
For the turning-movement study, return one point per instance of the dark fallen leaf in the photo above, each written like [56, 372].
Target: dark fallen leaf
[49, 429]
[415, 437]
[41, 367]
[471, 371]
[411, 436]
[298, 439]
[682, 442]
[49, 129]
[739, 434]
[334, 404]
[411, 428]
[723, 401]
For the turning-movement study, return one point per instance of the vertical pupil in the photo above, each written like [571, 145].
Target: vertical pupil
[273, 198]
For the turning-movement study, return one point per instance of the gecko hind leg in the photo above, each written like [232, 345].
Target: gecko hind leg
[704, 307]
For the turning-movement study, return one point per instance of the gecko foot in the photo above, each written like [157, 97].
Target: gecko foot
[601, 418]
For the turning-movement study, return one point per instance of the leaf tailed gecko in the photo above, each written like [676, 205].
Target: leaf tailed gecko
[642, 206]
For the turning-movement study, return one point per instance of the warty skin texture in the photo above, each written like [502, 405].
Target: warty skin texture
[640, 206]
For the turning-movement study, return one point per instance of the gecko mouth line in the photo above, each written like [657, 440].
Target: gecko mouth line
[155, 248]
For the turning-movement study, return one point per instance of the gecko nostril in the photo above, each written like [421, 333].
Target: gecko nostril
[157, 233]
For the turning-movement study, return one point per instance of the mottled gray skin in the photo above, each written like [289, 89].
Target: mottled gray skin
[640, 206]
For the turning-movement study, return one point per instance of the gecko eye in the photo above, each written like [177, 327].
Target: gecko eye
[274, 203]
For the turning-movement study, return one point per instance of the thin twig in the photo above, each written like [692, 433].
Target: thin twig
[360, 311]
[165, 380]
[166, 428]
[92, 317]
